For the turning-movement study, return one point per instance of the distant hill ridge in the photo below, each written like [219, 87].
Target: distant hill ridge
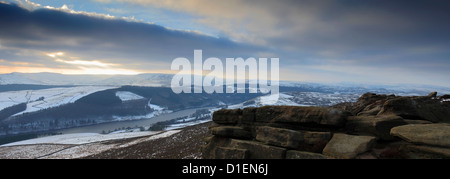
[148, 79]
[164, 80]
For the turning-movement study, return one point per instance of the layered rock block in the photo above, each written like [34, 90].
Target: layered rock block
[376, 126]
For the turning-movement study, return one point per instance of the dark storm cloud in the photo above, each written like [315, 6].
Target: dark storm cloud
[384, 40]
[404, 37]
[354, 25]
[53, 30]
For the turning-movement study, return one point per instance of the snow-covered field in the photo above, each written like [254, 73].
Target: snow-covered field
[186, 124]
[75, 145]
[127, 96]
[84, 138]
[276, 99]
[270, 99]
[47, 98]
[298, 99]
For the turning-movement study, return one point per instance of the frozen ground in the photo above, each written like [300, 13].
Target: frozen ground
[76, 145]
[81, 138]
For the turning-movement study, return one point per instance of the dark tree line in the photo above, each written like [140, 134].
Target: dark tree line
[9, 111]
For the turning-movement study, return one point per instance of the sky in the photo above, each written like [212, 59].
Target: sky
[356, 41]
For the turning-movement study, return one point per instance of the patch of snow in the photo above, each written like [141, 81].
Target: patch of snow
[185, 120]
[29, 151]
[155, 107]
[81, 138]
[164, 134]
[280, 99]
[298, 99]
[127, 96]
[147, 116]
[236, 106]
[221, 103]
[186, 124]
[444, 100]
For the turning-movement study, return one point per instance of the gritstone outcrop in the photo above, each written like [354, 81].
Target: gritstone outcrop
[376, 126]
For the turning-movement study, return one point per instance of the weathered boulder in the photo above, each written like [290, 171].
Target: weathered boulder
[409, 121]
[432, 95]
[293, 132]
[428, 134]
[279, 137]
[231, 132]
[231, 153]
[319, 116]
[369, 103]
[371, 110]
[290, 138]
[426, 152]
[227, 116]
[446, 96]
[214, 142]
[295, 154]
[258, 150]
[345, 146]
[312, 137]
[379, 126]
[403, 106]
[248, 115]
[420, 108]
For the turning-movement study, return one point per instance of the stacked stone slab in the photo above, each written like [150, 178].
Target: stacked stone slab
[377, 126]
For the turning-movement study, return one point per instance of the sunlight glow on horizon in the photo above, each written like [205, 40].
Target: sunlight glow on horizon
[53, 55]
[65, 71]
[71, 65]
[88, 67]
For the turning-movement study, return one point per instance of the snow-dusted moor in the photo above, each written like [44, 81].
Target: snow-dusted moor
[46, 98]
